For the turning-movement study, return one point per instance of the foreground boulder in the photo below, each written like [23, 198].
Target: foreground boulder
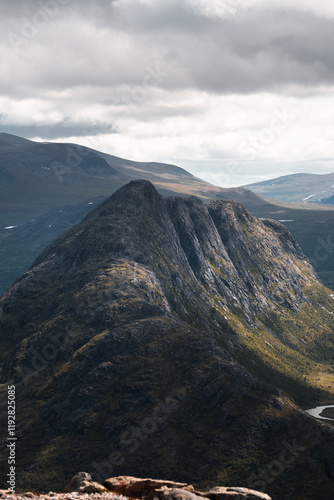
[121, 487]
[220, 493]
[152, 489]
[137, 488]
[83, 483]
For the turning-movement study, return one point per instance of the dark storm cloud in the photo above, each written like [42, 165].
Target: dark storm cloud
[260, 51]
[30, 7]
[110, 45]
[248, 52]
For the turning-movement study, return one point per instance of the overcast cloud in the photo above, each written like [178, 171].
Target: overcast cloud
[235, 91]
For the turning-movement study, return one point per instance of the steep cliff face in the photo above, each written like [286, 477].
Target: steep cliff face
[218, 248]
[143, 341]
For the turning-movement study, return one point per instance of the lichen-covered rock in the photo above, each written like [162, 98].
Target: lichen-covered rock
[175, 494]
[137, 488]
[151, 489]
[129, 487]
[83, 483]
[217, 493]
[73, 495]
[222, 493]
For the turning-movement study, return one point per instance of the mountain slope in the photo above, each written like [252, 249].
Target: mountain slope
[21, 244]
[146, 339]
[313, 229]
[38, 177]
[39, 180]
[307, 188]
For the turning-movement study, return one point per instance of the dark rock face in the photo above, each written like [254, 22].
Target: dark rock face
[135, 344]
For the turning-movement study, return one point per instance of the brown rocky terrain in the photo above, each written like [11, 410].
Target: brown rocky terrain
[83, 487]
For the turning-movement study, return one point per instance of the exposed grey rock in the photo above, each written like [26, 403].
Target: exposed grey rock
[83, 483]
[221, 493]
[136, 487]
[175, 494]
[217, 493]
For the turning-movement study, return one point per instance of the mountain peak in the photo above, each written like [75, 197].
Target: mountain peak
[136, 191]
[137, 224]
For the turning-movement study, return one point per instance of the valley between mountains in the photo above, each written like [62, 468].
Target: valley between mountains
[171, 338]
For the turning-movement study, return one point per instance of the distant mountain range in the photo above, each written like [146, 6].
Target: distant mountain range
[38, 177]
[46, 188]
[298, 188]
[167, 336]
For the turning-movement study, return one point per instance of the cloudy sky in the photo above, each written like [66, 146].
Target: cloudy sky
[235, 91]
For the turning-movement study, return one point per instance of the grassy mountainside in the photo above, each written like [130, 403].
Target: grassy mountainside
[148, 338]
[312, 228]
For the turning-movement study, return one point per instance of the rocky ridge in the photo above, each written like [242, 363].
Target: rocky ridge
[147, 339]
[45, 188]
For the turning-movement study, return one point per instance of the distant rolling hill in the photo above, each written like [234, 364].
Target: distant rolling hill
[46, 188]
[307, 188]
[38, 177]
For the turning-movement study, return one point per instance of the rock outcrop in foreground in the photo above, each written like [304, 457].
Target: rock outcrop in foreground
[82, 487]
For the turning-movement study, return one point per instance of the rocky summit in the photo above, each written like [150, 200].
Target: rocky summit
[170, 338]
